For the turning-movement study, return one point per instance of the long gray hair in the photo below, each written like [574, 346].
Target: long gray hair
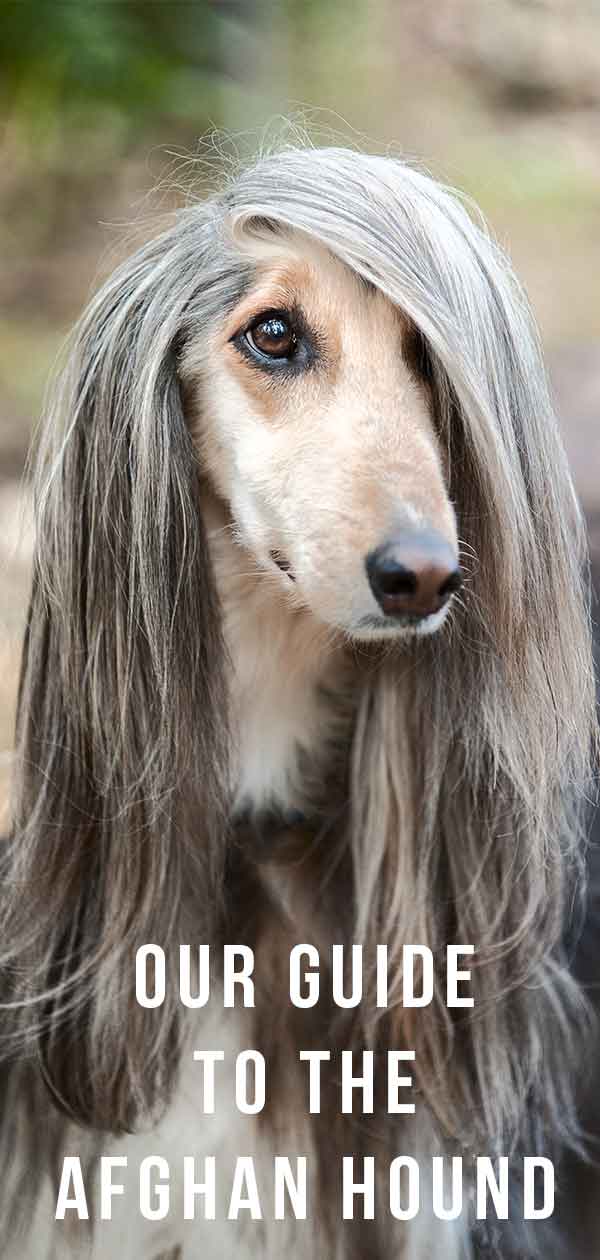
[470, 756]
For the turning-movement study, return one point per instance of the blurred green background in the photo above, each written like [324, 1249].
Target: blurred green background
[103, 101]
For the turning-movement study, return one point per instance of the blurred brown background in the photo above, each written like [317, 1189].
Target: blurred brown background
[498, 97]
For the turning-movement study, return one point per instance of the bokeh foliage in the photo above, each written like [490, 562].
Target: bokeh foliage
[94, 62]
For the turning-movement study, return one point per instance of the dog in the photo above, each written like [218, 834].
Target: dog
[307, 660]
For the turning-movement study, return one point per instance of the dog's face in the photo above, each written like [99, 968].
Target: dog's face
[317, 432]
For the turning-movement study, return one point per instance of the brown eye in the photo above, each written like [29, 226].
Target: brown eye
[273, 337]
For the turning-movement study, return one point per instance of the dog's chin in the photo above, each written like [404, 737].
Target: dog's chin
[373, 628]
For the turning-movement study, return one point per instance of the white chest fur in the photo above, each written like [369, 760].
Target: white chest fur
[282, 712]
[285, 683]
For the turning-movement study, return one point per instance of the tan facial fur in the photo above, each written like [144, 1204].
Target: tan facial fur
[325, 464]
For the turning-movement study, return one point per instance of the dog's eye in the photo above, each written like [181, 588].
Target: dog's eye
[279, 341]
[272, 336]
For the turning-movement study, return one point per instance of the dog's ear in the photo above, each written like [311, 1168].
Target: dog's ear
[121, 719]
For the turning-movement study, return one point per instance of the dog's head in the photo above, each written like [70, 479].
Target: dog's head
[315, 424]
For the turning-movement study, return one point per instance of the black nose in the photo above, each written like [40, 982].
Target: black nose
[414, 573]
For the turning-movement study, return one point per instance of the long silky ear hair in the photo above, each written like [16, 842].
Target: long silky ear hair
[473, 749]
[122, 769]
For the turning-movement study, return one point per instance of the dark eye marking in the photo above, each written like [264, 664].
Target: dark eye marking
[276, 341]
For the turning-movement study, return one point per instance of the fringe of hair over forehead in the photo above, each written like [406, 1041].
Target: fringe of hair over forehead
[471, 753]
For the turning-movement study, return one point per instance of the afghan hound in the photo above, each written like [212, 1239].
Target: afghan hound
[307, 662]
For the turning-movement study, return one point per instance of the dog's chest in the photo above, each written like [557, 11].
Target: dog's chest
[290, 709]
[284, 730]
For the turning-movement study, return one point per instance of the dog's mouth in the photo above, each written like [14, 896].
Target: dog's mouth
[283, 564]
[407, 626]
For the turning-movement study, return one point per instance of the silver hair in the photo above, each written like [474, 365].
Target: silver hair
[470, 756]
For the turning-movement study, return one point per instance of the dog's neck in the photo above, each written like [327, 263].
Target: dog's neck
[289, 685]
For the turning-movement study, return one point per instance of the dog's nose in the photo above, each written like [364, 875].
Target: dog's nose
[414, 573]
